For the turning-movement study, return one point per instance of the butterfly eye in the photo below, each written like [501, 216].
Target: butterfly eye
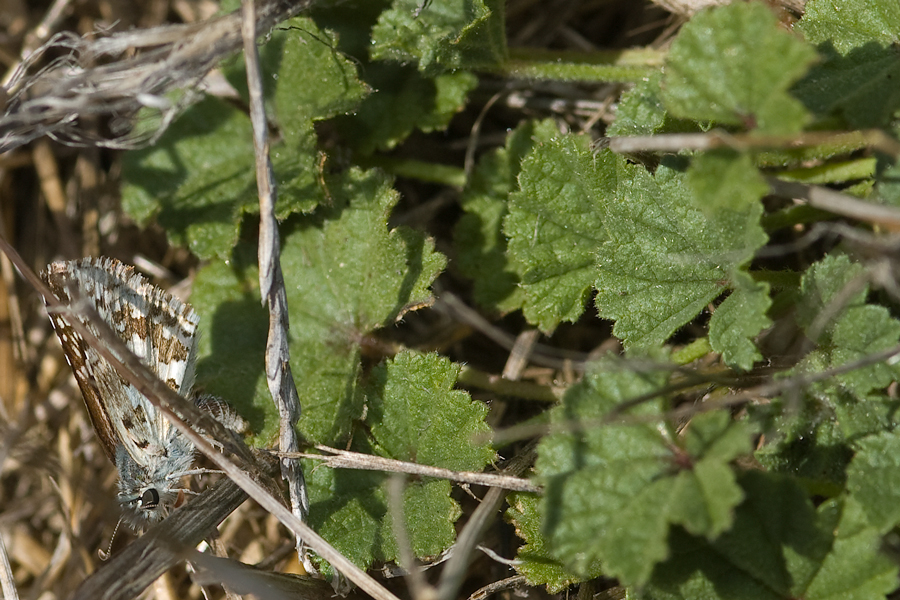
[150, 499]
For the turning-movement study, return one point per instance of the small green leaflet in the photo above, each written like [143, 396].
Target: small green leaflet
[613, 492]
[734, 65]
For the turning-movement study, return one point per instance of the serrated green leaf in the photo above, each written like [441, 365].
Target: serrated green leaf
[706, 498]
[641, 112]
[862, 331]
[855, 568]
[664, 259]
[454, 34]
[612, 493]
[346, 277]
[807, 440]
[315, 81]
[199, 179]
[733, 65]
[834, 312]
[737, 321]
[773, 551]
[428, 104]
[703, 498]
[346, 274]
[862, 86]
[725, 179]
[430, 513]
[851, 24]
[415, 415]
[819, 424]
[348, 508]
[555, 228]
[873, 479]
[533, 559]
[478, 236]
[830, 285]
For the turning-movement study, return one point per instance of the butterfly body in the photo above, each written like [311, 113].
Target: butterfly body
[150, 454]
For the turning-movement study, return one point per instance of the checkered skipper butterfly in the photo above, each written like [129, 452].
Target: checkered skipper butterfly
[150, 454]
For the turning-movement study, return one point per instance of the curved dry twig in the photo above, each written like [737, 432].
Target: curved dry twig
[74, 89]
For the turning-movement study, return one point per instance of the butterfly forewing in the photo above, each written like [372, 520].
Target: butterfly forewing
[158, 328]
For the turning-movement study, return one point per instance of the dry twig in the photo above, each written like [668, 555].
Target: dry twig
[72, 91]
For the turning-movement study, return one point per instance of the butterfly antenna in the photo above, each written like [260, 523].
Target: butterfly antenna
[104, 556]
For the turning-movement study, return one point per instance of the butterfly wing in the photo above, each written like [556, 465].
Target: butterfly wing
[158, 328]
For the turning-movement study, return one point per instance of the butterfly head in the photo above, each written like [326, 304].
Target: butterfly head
[149, 492]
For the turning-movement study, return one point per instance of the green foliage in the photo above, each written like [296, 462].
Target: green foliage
[852, 23]
[479, 234]
[787, 491]
[449, 35]
[555, 229]
[755, 62]
[534, 559]
[415, 415]
[199, 179]
[858, 78]
[780, 547]
[612, 493]
[665, 260]
[325, 256]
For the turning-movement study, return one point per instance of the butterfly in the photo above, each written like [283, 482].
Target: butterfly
[150, 454]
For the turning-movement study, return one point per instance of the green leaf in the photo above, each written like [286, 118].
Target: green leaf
[851, 24]
[703, 497]
[314, 81]
[873, 479]
[773, 551]
[725, 179]
[806, 441]
[654, 259]
[833, 311]
[234, 328]
[534, 559]
[830, 285]
[348, 508]
[612, 493]
[737, 321]
[428, 105]
[346, 275]
[199, 179]
[855, 568]
[641, 112]
[555, 228]
[415, 415]
[665, 260]
[734, 65]
[478, 236]
[821, 423]
[780, 548]
[861, 87]
[448, 35]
